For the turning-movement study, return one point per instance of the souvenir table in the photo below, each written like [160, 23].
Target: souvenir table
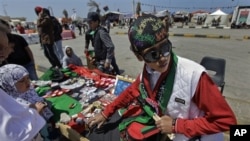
[78, 93]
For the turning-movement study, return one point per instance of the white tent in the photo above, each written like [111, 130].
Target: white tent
[162, 13]
[218, 13]
[221, 17]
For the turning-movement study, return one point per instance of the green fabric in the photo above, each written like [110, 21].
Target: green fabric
[42, 90]
[147, 119]
[60, 104]
[48, 74]
[92, 32]
[169, 84]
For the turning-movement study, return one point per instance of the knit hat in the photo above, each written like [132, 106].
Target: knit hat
[38, 9]
[146, 31]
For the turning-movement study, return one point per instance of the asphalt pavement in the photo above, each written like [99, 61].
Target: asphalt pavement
[235, 50]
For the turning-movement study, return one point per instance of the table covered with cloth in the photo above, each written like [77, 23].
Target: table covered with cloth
[61, 103]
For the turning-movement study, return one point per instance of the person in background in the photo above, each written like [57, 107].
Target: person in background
[20, 28]
[172, 95]
[79, 25]
[103, 46]
[17, 123]
[58, 29]
[21, 54]
[46, 33]
[71, 58]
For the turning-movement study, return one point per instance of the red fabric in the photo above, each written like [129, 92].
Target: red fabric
[75, 126]
[94, 74]
[20, 29]
[68, 34]
[218, 115]
[134, 131]
[124, 99]
[133, 110]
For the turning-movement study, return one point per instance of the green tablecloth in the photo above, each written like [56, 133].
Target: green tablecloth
[61, 104]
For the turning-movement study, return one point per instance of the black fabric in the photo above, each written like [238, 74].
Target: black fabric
[51, 56]
[57, 29]
[108, 132]
[99, 48]
[19, 56]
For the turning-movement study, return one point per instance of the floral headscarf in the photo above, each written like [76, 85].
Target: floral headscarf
[10, 74]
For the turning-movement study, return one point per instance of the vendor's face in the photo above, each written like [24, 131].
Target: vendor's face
[158, 56]
[23, 85]
[93, 24]
[5, 47]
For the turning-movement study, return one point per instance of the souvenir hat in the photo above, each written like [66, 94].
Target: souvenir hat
[93, 16]
[146, 31]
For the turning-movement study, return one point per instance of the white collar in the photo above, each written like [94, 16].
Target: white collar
[153, 76]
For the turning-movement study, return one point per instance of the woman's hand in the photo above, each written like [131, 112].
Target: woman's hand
[39, 106]
[98, 119]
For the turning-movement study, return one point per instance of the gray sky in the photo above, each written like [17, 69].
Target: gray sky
[25, 8]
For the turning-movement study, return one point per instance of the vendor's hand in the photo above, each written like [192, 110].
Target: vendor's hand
[164, 124]
[92, 60]
[98, 119]
[39, 106]
[106, 65]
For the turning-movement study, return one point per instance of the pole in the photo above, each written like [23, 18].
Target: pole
[133, 6]
[4, 9]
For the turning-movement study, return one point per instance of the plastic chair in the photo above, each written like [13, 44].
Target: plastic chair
[217, 66]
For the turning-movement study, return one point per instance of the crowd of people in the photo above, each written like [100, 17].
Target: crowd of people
[172, 95]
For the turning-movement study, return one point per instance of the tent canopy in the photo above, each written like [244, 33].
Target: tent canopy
[162, 13]
[218, 13]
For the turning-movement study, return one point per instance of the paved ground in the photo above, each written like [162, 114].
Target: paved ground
[235, 50]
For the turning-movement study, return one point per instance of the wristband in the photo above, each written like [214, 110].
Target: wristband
[173, 125]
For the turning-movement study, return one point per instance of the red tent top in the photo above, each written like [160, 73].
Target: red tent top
[199, 11]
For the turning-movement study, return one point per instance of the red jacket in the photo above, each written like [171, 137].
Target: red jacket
[218, 114]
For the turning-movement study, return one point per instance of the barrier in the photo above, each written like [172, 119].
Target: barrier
[68, 34]
[32, 38]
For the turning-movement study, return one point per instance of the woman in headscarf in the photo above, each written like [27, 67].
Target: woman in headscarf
[14, 80]
[71, 58]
